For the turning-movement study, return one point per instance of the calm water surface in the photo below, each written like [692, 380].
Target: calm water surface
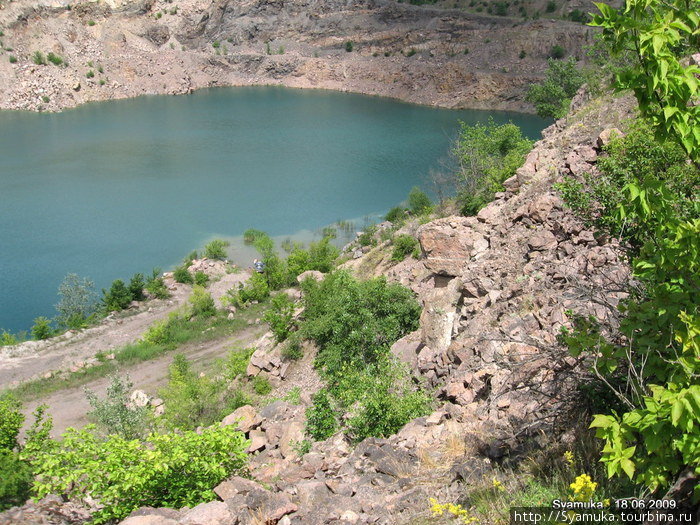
[109, 189]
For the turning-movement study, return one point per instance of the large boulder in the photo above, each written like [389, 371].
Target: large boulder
[449, 244]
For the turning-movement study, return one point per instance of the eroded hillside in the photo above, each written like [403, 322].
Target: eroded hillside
[117, 49]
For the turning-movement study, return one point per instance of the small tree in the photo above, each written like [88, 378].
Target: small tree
[42, 328]
[77, 303]
[419, 202]
[115, 413]
[117, 298]
[552, 96]
[216, 249]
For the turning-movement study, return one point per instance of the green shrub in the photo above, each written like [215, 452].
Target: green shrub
[487, 154]
[236, 363]
[42, 328]
[77, 302]
[349, 46]
[168, 470]
[280, 316]
[255, 289]
[557, 52]
[136, 286]
[117, 298]
[201, 278]
[551, 6]
[38, 58]
[13, 59]
[522, 54]
[353, 325]
[193, 255]
[8, 339]
[395, 214]
[192, 400]
[15, 480]
[383, 401]
[90, 74]
[418, 202]
[552, 96]
[202, 303]
[54, 59]
[292, 350]
[11, 421]
[156, 286]
[251, 235]
[91, 23]
[320, 417]
[115, 414]
[405, 245]
[261, 386]
[216, 249]
[182, 275]
[366, 238]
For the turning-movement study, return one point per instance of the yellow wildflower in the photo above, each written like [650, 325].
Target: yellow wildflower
[498, 485]
[583, 488]
[569, 457]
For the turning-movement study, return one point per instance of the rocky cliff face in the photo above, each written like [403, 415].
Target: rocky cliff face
[127, 48]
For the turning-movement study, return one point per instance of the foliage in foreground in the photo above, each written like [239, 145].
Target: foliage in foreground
[165, 470]
[487, 155]
[656, 357]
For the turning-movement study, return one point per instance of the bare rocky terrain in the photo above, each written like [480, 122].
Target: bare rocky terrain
[495, 291]
[455, 58]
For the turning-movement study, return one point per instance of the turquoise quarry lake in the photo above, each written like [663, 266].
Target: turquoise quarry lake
[113, 188]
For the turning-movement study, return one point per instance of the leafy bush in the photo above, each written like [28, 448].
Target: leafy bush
[405, 245]
[202, 303]
[182, 275]
[236, 363]
[11, 421]
[279, 316]
[42, 328]
[487, 155]
[216, 249]
[8, 339]
[166, 470]
[156, 287]
[13, 59]
[15, 480]
[320, 416]
[292, 350]
[201, 278]
[77, 302]
[136, 286]
[552, 96]
[192, 400]
[255, 289]
[117, 298]
[418, 202]
[395, 214]
[354, 324]
[115, 412]
[551, 6]
[638, 156]
[261, 386]
[349, 46]
[366, 238]
[557, 52]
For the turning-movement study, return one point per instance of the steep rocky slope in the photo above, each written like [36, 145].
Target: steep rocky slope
[125, 48]
[496, 289]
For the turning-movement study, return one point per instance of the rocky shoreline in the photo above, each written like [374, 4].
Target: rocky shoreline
[121, 49]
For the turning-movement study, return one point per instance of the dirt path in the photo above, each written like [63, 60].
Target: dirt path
[34, 359]
[69, 407]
